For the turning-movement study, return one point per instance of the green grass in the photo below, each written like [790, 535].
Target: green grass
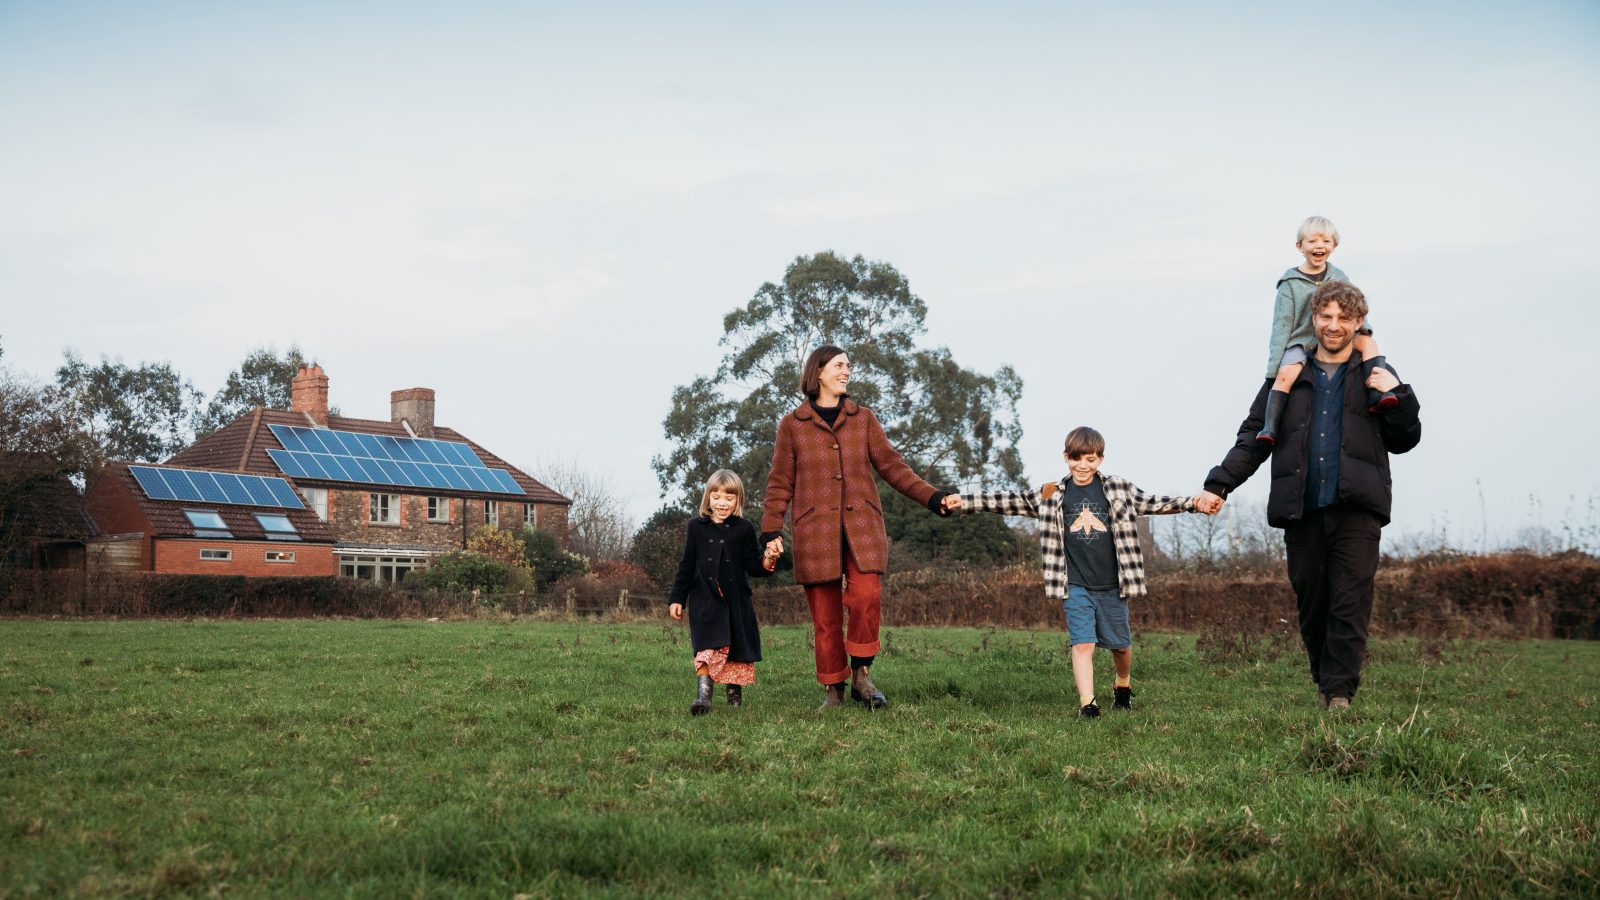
[505, 757]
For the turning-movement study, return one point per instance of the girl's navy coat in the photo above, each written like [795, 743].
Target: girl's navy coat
[713, 582]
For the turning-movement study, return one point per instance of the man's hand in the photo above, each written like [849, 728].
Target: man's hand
[1208, 503]
[676, 612]
[1382, 380]
[953, 502]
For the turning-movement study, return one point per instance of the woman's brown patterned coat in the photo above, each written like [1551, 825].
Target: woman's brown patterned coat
[823, 476]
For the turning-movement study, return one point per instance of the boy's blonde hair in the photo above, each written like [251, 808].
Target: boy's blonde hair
[723, 480]
[1315, 225]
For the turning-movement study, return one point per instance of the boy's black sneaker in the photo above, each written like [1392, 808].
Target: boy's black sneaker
[1089, 711]
[1123, 698]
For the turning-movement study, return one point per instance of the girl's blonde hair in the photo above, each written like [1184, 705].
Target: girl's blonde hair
[723, 480]
[1316, 225]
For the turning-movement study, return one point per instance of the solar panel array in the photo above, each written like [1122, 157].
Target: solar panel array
[327, 455]
[198, 486]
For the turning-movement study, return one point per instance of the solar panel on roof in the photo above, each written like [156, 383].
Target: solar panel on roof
[199, 486]
[360, 458]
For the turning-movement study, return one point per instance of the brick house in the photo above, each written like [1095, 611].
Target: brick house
[390, 495]
[147, 529]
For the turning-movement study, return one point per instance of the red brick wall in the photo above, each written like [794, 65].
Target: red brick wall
[181, 556]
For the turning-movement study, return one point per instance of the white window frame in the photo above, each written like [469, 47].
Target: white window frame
[317, 499]
[280, 556]
[215, 554]
[383, 509]
[437, 505]
[491, 512]
[530, 515]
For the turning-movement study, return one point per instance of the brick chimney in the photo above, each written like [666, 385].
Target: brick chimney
[309, 393]
[414, 405]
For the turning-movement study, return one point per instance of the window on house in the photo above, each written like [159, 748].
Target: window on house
[491, 511]
[220, 555]
[438, 509]
[530, 515]
[207, 523]
[280, 556]
[278, 527]
[383, 509]
[382, 569]
[317, 499]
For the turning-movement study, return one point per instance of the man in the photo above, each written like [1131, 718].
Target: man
[1330, 487]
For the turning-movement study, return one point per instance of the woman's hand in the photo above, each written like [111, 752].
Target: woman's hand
[676, 612]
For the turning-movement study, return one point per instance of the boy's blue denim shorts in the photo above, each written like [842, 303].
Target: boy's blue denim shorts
[1096, 617]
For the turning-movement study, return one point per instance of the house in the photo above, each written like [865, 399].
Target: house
[392, 495]
[190, 521]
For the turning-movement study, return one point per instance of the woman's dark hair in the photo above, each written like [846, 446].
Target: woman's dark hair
[811, 375]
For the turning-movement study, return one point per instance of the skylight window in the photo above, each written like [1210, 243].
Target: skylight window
[207, 523]
[278, 527]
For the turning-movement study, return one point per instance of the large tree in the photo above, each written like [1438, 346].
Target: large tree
[42, 451]
[263, 379]
[142, 413]
[951, 423]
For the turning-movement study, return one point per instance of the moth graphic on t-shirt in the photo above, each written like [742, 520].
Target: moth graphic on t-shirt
[1088, 524]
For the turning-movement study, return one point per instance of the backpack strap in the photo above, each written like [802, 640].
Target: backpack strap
[1048, 491]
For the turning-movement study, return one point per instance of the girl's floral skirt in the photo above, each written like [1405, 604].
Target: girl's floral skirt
[723, 670]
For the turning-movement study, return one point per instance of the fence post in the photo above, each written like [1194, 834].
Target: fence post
[572, 601]
[474, 597]
[622, 600]
[522, 602]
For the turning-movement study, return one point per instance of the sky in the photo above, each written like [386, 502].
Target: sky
[544, 211]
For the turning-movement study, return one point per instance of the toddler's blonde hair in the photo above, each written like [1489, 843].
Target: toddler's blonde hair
[723, 480]
[1315, 225]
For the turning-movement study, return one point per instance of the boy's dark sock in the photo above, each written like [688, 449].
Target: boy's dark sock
[1276, 401]
[860, 662]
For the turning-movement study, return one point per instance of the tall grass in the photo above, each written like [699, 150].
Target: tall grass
[496, 757]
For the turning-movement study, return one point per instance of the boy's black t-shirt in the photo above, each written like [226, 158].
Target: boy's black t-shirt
[1317, 278]
[1091, 557]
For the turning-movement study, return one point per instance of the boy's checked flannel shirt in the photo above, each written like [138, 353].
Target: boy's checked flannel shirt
[1127, 503]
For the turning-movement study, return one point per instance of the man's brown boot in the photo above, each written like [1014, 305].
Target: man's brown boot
[832, 695]
[862, 690]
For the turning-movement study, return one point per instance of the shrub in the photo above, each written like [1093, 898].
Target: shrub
[550, 561]
[462, 570]
[658, 544]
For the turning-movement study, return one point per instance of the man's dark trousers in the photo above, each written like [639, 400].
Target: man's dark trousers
[1333, 557]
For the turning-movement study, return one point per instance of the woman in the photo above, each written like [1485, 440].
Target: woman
[822, 470]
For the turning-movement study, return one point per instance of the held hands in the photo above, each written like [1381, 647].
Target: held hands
[774, 549]
[1382, 380]
[1208, 503]
[953, 503]
[676, 612]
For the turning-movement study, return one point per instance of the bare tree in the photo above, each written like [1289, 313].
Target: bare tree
[597, 524]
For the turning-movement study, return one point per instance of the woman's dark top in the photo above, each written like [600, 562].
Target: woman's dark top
[713, 582]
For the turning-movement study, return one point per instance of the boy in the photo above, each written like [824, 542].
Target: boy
[1292, 332]
[1091, 556]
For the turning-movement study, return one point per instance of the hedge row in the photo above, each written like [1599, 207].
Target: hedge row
[1506, 595]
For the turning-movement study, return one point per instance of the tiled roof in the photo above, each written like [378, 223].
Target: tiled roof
[242, 445]
[167, 518]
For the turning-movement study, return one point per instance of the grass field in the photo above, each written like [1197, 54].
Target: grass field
[503, 757]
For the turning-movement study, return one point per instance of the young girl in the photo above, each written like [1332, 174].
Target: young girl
[1292, 333]
[719, 552]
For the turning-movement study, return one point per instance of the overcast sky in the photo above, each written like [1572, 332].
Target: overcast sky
[543, 212]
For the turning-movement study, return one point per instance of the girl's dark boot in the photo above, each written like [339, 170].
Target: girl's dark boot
[1377, 401]
[1276, 401]
[735, 695]
[702, 700]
